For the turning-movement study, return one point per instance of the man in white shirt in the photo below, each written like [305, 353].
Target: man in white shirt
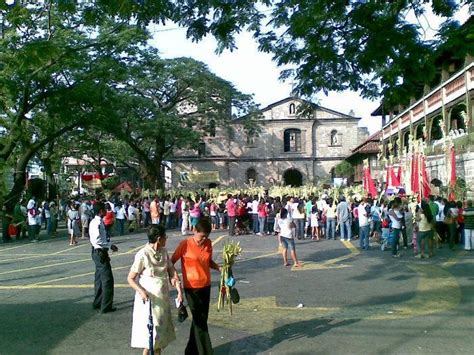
[104, 279]
[364, 226]
[255, 225]
[34, 220]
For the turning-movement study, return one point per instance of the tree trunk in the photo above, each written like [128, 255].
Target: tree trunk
[151, 175]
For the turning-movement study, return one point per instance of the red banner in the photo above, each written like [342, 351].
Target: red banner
[89, 177]
[426, 182]
[415, 174]
[369, 183]
[452, 180]
[399, 175]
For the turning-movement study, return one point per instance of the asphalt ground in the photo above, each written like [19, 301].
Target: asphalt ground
[350, 301]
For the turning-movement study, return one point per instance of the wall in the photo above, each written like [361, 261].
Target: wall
[436, 166]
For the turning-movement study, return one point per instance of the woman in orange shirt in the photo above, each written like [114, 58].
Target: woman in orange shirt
[195, 254]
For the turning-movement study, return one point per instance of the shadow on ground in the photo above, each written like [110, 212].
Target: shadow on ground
[36, 328]
[291, 332]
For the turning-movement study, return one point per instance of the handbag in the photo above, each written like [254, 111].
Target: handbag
[182, 313]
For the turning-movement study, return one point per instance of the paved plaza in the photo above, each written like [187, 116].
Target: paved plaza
[353, 302]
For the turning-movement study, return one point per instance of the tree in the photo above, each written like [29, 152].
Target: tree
[344, 169]
[170, 105]
[55, 67]
[366, 46]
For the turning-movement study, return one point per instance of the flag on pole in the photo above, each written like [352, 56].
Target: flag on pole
[415, 174]
[369, 185]
[391, 179]
[399, 174]
[426, 189]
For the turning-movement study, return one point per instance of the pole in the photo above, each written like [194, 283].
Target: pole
[150, 326]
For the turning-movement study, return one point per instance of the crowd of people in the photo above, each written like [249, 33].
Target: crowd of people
[382, 220]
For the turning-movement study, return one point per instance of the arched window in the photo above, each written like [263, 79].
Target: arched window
[292, 109]
[292, 140]
[251, 175]
[406, 140]
[436, 130]
[457, 120]
[335, 138]
[212, 128]
[419, 132]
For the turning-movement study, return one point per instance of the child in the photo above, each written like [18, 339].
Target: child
[385, 230]
[314, 223]
[185, 223]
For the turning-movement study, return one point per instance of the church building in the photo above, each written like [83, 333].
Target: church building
[297, 142]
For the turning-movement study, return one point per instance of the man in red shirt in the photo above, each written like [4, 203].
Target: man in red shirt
[231, 207]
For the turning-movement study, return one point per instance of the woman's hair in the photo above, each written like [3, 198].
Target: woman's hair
[283, 213]
[155, 232]
[427, 211]
[203, 226]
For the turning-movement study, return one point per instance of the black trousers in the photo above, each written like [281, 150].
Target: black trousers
[103, 282]
[231, 226]
[199, 342]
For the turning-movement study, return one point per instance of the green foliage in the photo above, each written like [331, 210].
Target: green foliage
[366, 46]
[110, 183]
[344, 169]
[169, 106]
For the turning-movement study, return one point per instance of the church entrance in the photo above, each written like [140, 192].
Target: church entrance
[293, 177]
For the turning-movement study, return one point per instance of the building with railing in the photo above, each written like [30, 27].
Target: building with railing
[441, 118]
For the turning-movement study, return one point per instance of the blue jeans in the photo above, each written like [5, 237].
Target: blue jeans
[331, 225]
[346, 226]
[396, 240]
[364, 232]
[49, 226]
[261, 223]
[255, 223]
[299, 222]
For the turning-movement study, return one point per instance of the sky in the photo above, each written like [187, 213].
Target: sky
[254, 72]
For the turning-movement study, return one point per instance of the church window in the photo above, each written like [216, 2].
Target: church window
[212, 128]
[251, 175]
[202, 149]
[292, 140]
[251, 139]
[292, 109]
[335, 138]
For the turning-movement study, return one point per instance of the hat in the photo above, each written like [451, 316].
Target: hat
[31, 204]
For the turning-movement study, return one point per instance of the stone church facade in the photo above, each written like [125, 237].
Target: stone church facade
[291, 146]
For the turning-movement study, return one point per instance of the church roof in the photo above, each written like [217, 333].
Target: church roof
[370, 145]
[306, 102]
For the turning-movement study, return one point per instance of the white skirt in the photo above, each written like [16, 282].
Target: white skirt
[163, 332]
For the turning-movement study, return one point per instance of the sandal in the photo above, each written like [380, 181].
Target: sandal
[287, 264]
[298, 265]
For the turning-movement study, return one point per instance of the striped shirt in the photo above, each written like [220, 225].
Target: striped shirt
[469, 218]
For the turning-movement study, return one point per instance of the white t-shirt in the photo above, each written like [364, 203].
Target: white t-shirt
[396, 224]
[131, 213]
[284, 226]
[172, 207]
[363, 219]
[440, 216]
[254, 207]
[166, 208]
[120, 212]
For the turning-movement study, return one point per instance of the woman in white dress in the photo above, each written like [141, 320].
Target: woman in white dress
[150, 276]
[73, 219]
